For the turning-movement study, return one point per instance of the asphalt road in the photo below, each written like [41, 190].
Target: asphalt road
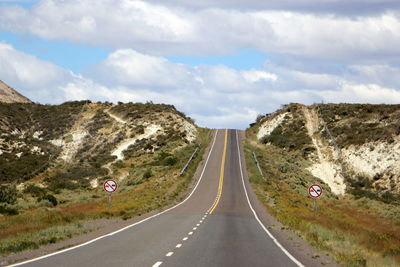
[215, 226]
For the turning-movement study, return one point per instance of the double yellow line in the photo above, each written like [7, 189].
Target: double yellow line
[221, 174]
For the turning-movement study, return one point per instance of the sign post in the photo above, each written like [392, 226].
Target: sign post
[315, 191]
[110, 186]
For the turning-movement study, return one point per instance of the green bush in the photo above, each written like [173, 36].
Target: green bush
[8, 194]
[58, 183]
[147, 174]
[6, 209]
[74, 177]
[52, 199]
[170, 161]
[35, 190]
[119, 164]
[23, 168]
[134, 182]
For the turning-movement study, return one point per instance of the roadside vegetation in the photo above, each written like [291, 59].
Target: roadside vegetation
[355, 229]
[357, 124]
[18, 124]
[64, 199]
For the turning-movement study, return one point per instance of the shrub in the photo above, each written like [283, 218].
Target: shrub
[8, 194]
[35, 190]
[52, 199]
[170, 161]
[140, 129]
[134, 182]
[388, 197]
[5, 209]
[119, 164]
[147, 174]
[55, 184]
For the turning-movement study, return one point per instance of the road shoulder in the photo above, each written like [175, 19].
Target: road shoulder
[295, 245]
[105, 226]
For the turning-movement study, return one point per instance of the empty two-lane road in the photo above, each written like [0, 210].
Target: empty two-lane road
[214, 226]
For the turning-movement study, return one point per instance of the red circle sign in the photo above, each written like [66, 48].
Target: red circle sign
[315, 191]
[110, 186]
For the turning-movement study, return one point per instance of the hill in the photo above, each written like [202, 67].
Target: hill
[352, 151]
[354, 148]
[9, 95]
[55, 158]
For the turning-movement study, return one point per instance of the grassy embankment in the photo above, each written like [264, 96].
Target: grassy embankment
[152, 183]
[355, 231]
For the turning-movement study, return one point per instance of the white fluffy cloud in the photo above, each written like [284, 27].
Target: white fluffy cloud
[36, 79]
[157, 29]
[338, 7]
[215, 96]
[360, 93]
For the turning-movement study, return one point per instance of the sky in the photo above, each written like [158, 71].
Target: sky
[222, 62]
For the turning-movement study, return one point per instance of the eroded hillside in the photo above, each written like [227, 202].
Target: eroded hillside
[352, 151]
[83, 138]
[353, 148]
[54, 159]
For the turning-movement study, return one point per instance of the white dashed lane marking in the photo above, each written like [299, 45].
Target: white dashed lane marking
[169, 254]
[190, 233]
[185, 238]
[158, 263]
[179, 245]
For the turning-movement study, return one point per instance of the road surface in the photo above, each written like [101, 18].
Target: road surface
[214, 226]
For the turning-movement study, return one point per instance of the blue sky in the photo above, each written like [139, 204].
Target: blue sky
[77, 57]
[239, 60]
[26, 4]
[221, 62]
[68, 55]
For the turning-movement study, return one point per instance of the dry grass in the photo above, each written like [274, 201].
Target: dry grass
[41, 225]
[359, 232]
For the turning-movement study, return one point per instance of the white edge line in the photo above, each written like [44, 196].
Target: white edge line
[126, 227]
[255, 214]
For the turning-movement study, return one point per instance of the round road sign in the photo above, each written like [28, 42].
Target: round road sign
[110, 186]
[315, 191]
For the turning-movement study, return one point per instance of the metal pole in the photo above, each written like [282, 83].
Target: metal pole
[109, 201]
[258, 165]
[190, 159]
[315, 206]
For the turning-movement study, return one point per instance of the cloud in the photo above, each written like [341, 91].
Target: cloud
[258, 75]
[35, 78]
[360, 93]
[128, 67]
[215, 96]
[337, 7]
[161, 30]
[382, 74]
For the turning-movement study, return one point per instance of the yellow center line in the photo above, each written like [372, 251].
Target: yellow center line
[221, 174]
